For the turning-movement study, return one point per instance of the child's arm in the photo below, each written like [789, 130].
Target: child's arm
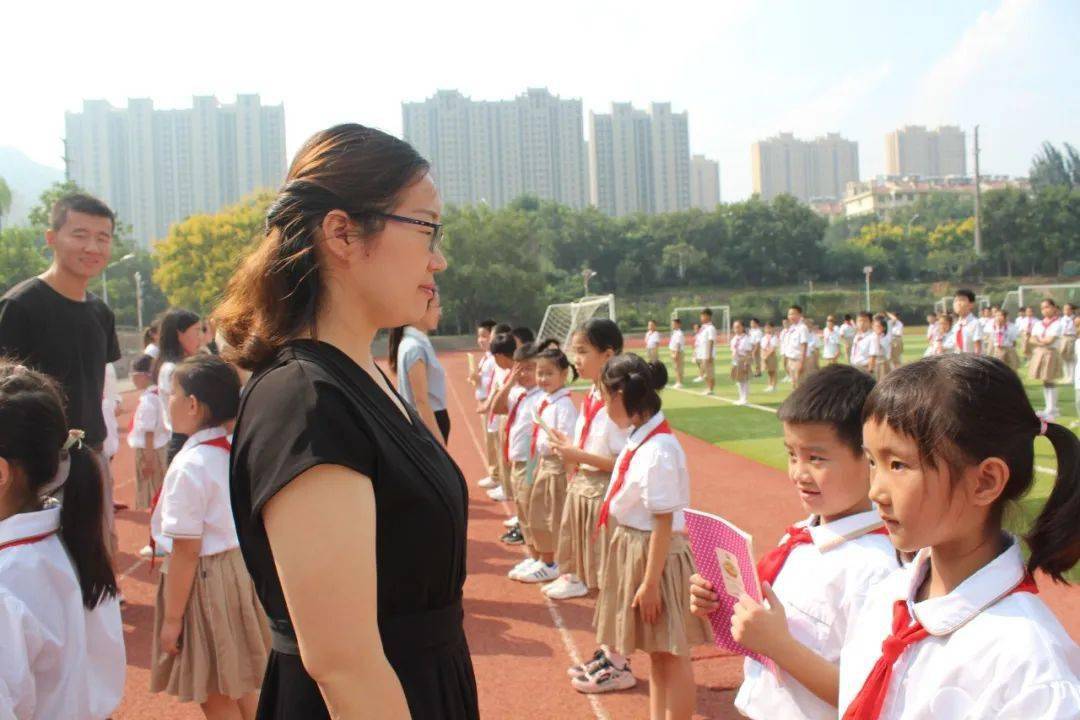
[178, 581]
[647, 597]
[765, 630]
[150, 459]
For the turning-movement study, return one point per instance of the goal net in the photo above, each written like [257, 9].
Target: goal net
[1061, 294]
[562, 320]
[1011, 303]
[691, 316]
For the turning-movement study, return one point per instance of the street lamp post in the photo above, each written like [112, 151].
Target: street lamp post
[907, 234]
[138, 300]
[866, 271]
[587, 275]
[105, 276]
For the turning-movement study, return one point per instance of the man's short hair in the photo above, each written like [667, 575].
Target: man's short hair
[80, 203]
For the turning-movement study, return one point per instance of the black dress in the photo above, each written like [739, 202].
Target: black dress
[314, 406]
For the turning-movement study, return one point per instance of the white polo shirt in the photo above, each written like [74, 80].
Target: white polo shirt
[706, 334]
[742, 347]
[865, 346]
[990, 654]
[560, 414]
[677, 341]
[487, 374]
[521, 430]
[793, 340]
[1004, 336]
[755, 335]
[149, 418]
[1053, 329]
[972, 330]
[657, 480]
[817, 585]
[652, 340]
[832, 340]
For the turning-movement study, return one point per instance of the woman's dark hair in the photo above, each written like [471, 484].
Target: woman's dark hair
[173, 322]
[214, 383]
[277, 293]
[637, 380]
[602, 334]
[393, 344]
[33, 431]
[503, 344]
[523, 334]
[961, 409]
[555, 354]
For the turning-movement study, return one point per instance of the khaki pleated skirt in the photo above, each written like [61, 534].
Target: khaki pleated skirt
[740, 370]
[881, 367]
[619, 626]
[148, 484]
[1025, 344]
[581, 548]
[520, 493]
[1068, 348]
[770, 363]
[225, 641]
[1045, 364]
[1008, 356]
[547, 495]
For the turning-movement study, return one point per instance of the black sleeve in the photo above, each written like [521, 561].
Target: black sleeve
[293, 420]
[15, 334]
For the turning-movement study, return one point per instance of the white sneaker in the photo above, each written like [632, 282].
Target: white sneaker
[488, 482]
[511, 522]
[699, 380]
[565, 588]
[147, 552]
[706, 392]
[497, 494]
[678, 386]
[524, 566]
[540, 572]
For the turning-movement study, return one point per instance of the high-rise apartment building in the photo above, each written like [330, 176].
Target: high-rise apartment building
[639, 161]
[157, 167]
[493, 152]
[704, 183]
[809, 170]
[913, 150]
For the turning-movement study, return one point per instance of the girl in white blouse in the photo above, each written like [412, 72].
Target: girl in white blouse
[961, 633]
[1045, 365]
[644, 601]
[61, 638]
[742, 355]
[211, 640]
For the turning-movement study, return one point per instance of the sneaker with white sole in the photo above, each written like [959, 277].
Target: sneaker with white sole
[606, 678]
[523, 566]
[496, 493]
[488, 483]
[148, 551]
[541, 572]
[565, 588]
[589, 665]
[512, 522]
[678, 386]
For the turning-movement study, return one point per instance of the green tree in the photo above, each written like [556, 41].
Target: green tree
[40, 213]
[5, 200]
[1053, 167]
[1007, 232]
[20, 256]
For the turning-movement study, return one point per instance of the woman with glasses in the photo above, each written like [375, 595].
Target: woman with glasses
[351, 515]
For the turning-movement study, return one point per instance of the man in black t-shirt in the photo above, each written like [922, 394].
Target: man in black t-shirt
[54, 324]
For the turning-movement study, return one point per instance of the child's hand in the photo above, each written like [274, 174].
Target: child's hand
[170, 636]
[647, 601]
[759, 628]
[703, 600]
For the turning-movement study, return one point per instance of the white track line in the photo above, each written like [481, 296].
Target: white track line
[1038, 468]
[556, 616]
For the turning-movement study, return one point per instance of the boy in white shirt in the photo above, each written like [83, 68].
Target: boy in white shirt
[652, 342]
[831, 338]
[864, 345]
[795, 344]
[756, 333]
[896, 340]
[847, 331]
[705, 350]
[676, 345]
[482, 378]
[823, 563]
[149, 438]
[967, 331]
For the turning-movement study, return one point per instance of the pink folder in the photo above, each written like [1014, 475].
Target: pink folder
[724, 556]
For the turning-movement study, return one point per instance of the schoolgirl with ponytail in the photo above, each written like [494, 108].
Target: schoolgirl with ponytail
[644, 601]
[962, 631]
[61, 638]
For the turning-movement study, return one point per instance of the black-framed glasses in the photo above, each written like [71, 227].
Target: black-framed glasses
[436, 228]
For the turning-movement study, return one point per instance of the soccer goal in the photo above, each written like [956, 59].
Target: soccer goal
[1061, 294]
[692, 315]
[562, 320]
[1011, 303]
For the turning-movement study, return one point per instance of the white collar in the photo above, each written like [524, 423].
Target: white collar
[638, 434]
[827, 536]
[415, 333]
[944, 615]
[29, 524]
[968, 318]
[529, 392]
[204, 435]
[558, 395]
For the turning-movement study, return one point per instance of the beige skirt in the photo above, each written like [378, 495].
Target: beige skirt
[1008, 356]
[770, 363]
[619, 626]
[581, 548]
[881, 368]
[148, 484]
[896, 352]
[225, 639]
[1045, 365]
[1025, 344]
[1068, 348]
[520, 494]
[740, 371]
[547, 495]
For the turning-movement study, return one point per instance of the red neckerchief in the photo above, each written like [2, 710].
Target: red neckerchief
[27, 540]
[218, 442]
[605, 509]
[591, 408]
[770, 565]
[868, 703]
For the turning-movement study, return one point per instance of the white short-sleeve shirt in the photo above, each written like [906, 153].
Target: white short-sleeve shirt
[865, 346]
[896, 328]
[848, 330]
[817, 585]
[165, 388]
[657, 480]
[195, 500]
[795, 337]
[57, 659]
[677, 341]
[1004, 336]
[652, 340]
[605, 439]
[768, 342]
[832, 340]
[520, 432]
[706, 334]
[884, 345]
[1068, 326]
[499, 379]
[1053, 329]
[560, 414]
[742, 347]
[755, 335]
[990, 654]
[487, 373]
[972, 330]
[149, 418]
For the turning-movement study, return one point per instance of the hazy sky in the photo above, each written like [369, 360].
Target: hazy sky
[743, 70]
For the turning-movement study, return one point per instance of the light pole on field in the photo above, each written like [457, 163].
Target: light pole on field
[587, 275]
[105, 276]
[138, 300]
[866, 271]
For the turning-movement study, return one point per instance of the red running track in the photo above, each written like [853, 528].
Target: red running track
[521, 643]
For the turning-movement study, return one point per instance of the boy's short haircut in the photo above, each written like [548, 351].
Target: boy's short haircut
[501, 328]
[528, 351]
[848, 317]
[488, 325]
[835, 396]
[142, 364]
[524, 334]
[676, 320]
[796, 308]
[965, 293]
[706, 312]
[503, 344]
[867, 314]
